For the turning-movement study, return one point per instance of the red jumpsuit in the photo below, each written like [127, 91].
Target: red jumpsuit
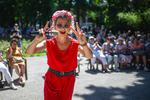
[60, 88]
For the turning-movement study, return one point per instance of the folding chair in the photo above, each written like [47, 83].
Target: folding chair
[26, 72]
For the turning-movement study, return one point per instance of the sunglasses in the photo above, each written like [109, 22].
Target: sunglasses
[61, 26]
[14, 43]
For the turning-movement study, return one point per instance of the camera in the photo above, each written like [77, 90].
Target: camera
[50, 34]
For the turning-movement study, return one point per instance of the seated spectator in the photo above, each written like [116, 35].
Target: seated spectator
[14, 55]
[138, 51]
[97, 54]
[107, 56]
[5, 71]
[95, 49]
[122, 52]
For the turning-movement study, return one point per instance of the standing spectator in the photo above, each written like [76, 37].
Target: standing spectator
[16, 34]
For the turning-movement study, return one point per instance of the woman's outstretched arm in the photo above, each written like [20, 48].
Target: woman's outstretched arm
[37, 45]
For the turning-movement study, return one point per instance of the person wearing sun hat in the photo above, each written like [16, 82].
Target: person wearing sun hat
[95, 47]
[122, 51]
[107, 55]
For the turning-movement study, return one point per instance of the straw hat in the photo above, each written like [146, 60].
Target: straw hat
[91, 37]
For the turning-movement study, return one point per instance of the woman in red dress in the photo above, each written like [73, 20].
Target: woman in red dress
[62, 53]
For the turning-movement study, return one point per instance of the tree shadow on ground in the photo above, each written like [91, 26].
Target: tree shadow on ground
[139, 90]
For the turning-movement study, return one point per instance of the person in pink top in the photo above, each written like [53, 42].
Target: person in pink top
[62, 53]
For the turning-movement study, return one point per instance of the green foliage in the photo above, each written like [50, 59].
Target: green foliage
[92, 14]
[27, 11]
[106, 21]
[24, 47]
[4, 44]
[130, 18]
[107, 12]
[146, 16]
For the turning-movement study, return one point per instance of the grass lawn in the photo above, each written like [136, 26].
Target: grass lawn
[4, 45]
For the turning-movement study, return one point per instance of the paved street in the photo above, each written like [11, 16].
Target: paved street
[125, 85]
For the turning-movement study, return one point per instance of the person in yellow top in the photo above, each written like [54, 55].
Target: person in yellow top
[14, 56]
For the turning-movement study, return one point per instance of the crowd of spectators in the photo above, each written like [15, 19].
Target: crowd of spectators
[25, 31]
[123, 49]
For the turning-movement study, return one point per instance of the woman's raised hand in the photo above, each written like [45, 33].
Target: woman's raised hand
[80, 36]
[47, 28]
[42, 31]
[39, 36]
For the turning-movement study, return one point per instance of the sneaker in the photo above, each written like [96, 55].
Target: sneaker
[104, 70]
[22, 82]
[145, 69]
[12, 86]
